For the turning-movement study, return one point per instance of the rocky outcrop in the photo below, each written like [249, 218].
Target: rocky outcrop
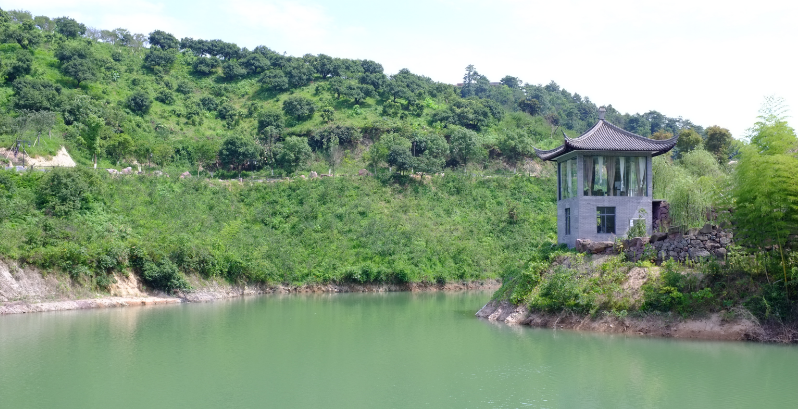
[742, 327]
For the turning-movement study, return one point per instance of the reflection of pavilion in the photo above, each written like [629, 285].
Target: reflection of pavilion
[604, 177]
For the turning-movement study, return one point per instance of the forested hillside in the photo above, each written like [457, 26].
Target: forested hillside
[123, 98]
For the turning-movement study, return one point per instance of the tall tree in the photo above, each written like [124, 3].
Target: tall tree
[69, 28]
[766, 183]
[718, 142]
[163, 40]
[239, 151]
[688, 140]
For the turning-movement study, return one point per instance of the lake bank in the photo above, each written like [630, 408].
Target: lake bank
[28, 290]
[717, 327]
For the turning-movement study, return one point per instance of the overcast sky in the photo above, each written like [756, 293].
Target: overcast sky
[709, 61]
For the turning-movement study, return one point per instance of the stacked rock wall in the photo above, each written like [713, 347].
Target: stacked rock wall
[695, 245]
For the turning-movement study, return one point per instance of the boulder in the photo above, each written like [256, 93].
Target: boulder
[634, 243]
[364, 172]
[706, 229]
[658, 237]
[582, 245]
[303, 177]
[112, 171]
[127, 171]
[313, 174]
[721, 253]
[695, 253]
[186, 175]
[597, 247]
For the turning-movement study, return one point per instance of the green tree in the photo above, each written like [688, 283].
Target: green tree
[231, 70]
[81, 70]
[511, 82]
[515, 145]
[20, 66]
[255, 63]
[530, 106]
[688, 140]
[400, 158]
[163, 40]
[765, 191]
[205, 65]
[661, 135]
[298, 73]
[69, 28]
[718, 142]
[157, 57]
[25, 34]
[270, 118]
[299, 107]
[238, 151]
[293, 153]
[463, 145]
[274, 80]
[139, 102]
[119, 146]
[66, 190]
[357, 92]
[72, 50]
[35, 94]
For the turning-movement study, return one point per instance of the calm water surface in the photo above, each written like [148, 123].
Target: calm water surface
[396, 350]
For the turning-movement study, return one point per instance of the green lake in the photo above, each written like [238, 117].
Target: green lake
[397, 350]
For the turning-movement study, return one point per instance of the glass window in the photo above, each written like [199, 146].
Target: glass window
[567, 222]
[615, 176]
[606, 219]
[568, 176]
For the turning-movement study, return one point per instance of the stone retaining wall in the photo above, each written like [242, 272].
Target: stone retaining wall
[695, 245]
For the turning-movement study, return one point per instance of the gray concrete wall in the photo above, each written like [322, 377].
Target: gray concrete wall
[584, 208]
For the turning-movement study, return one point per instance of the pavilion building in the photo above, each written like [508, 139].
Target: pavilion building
[605, 182]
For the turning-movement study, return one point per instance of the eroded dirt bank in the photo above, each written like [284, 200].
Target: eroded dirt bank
[713, 327]
[24, 290]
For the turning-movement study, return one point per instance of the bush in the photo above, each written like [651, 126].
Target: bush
[164, 275]
[299, 107]
[66, 190]
[139, 103]
[165, 96]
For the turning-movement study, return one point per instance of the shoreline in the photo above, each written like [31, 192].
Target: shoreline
[711, 328]
[216, 290]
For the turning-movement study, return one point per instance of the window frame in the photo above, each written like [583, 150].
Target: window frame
[606, 219]
[567, 222]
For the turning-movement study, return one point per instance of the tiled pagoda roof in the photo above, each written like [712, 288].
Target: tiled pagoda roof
[604, 136]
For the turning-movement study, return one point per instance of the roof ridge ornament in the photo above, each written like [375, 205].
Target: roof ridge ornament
[601, 112]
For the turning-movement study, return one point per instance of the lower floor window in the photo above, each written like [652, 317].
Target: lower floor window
[567, 222]
[606, 218]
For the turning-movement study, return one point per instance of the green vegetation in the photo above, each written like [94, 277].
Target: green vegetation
[171, 105]
[344, 229]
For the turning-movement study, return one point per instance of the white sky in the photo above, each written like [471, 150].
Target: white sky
[709, 61]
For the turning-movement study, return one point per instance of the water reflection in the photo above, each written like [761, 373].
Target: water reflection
[366, 350]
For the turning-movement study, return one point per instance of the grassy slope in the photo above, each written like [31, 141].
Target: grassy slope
[343, 229]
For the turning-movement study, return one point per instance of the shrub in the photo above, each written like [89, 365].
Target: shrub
[299, 107]
[165, 96]
[64, 191]
[139, 103]
[164, 275]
